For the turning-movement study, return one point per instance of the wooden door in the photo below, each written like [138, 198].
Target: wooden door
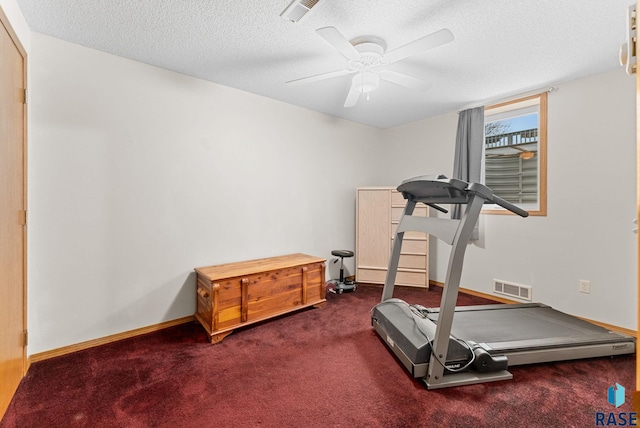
[636, 393]
[12, 213]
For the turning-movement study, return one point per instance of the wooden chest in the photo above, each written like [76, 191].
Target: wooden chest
[233, 295]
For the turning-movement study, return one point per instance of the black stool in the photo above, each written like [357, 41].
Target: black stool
[340, 285]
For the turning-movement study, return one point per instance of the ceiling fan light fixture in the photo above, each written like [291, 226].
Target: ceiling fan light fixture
[365, 81]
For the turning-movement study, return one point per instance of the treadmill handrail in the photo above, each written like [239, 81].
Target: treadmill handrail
[438, 189]
[509, 206]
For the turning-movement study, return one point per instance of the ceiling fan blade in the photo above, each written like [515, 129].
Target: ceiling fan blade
[404, 80]
[318, 77]
[338, 41]
[352, 97]
[422, 44]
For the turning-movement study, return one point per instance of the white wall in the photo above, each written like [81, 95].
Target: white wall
[591, 203]
[137, 175]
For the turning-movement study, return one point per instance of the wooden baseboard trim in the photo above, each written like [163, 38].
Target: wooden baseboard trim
[41, 356]
[615, 328]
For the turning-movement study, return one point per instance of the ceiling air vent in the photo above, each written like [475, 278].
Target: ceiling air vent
[298, 9]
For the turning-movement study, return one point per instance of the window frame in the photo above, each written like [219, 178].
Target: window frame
[542, 155]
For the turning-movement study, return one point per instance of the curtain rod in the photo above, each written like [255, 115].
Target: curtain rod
[507, 98]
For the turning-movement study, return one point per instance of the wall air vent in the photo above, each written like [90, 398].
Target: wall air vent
[298, 9]
[512, 290]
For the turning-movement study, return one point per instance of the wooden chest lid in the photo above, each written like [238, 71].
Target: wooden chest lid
[249, 267]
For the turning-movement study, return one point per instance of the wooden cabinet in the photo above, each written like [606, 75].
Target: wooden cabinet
[233, 295]
[378, 211]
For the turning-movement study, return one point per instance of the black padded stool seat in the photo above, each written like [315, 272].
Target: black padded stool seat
[342, 253]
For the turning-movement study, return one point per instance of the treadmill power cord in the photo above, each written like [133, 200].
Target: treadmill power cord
[419, 311]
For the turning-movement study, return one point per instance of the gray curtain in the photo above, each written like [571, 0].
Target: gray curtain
[467, 163]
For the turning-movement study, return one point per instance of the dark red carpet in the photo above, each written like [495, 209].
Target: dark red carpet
[321, 367]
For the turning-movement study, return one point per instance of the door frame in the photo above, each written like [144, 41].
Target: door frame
[4, 22]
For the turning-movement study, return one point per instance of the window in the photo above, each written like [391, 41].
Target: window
[516, 153]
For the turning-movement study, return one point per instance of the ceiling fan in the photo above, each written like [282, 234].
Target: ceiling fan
[367, 59]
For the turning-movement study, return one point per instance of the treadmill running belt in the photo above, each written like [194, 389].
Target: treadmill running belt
[524, 326]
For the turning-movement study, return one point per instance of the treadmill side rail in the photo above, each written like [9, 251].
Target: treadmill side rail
[567, 353]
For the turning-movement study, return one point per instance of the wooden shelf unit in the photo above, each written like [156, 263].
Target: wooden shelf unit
[378, 212]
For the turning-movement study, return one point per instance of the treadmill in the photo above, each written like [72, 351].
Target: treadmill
[453, 346]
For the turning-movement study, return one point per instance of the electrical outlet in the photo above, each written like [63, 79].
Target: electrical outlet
[584, 286]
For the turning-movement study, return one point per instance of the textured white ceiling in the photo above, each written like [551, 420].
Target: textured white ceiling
[501, 47]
